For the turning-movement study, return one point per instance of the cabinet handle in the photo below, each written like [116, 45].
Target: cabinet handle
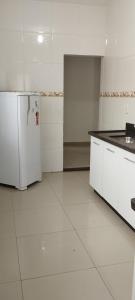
[130, 160]
[96, 143]
[112, 151]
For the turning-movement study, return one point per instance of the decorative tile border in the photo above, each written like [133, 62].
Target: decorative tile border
[42, 93]
[118, 94]
[121, 94]
[52, 94]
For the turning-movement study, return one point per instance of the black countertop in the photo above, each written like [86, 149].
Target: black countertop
[118, 141]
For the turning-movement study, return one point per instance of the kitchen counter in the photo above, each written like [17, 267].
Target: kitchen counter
[116, 141]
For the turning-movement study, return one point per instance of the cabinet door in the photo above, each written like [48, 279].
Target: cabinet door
[96, 163]
[127, 188]
[111, 175]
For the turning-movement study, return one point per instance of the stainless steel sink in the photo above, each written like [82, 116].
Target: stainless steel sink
[124, 138]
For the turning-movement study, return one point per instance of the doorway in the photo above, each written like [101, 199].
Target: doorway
[81, 108]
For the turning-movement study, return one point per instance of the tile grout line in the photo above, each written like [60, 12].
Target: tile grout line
[54, 274]
[106, 284]
[94, 264]
[57, 274]
[96, 267]
[43, 233]
[114, 264]
[60, 204]
[48, 275]
[9, 281]
[16, 239]
[65, 272]
[72, 230]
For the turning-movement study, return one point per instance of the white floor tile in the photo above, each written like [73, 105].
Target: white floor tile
[63, 179]
[7, 224]
[71, 189]
[118, 278]
[36, 197]
[51, 254]
[84, 175]
[58, 176]
[54, 262]
[50, 219]
[9, 268]
[91, 215]
[76, 195]
[11, 291]
[81, 285]
[5, 199]
[76, 156]
[108, 245]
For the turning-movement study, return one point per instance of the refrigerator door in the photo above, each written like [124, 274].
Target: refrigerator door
[29, 140]
[9, 158]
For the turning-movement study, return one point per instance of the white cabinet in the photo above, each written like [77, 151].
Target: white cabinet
[96, 161]
[112, 175]
[127, 188]
[96, 164]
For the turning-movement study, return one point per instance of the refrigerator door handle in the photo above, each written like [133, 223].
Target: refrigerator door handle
[28, 110]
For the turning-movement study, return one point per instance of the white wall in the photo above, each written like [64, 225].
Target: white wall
[52, 134]
[118, 65]
[81, 97]
[27, 65]
[67, 29]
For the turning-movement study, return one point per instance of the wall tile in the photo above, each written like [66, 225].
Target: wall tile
[11, 46]
[130, 112]
[3, 78]
[64, 44]
[92, 45]
[37, 16]
[43, 77]
[34, 51]
[52, 109]
[117, 118]
[88, 24]
[67, 28]
[52, 160]
[11, 14]
[118, 68]
[52, 136]
[11, 77]
[65, 18]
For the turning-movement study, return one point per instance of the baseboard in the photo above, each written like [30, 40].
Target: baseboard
[76, 169]
[76, 144]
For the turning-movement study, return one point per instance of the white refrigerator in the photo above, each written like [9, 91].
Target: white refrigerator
[20, 159]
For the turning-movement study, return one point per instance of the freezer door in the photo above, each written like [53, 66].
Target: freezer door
[29, 140]
[9, 159]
